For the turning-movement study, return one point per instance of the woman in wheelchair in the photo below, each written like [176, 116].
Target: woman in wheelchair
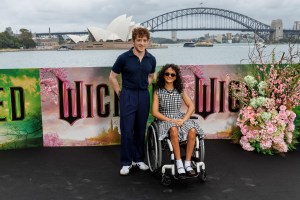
[167, 101]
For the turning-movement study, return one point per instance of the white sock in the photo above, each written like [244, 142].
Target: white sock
[187, 165]
[180, 167]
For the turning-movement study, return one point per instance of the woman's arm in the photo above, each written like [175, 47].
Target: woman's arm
[155, 112]
[190, 105]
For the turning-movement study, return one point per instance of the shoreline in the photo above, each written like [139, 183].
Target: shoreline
[76, 49]
[95, 47]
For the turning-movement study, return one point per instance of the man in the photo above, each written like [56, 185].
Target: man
[137, 67]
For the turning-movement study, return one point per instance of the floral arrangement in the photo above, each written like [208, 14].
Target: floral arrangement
[265, 121]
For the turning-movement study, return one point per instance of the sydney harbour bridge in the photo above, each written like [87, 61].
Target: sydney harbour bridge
[202, 18]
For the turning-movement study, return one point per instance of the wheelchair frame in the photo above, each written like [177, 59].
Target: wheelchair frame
[154, 151]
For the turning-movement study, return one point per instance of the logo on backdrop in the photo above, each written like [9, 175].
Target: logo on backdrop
[16, 104]
[78, 107]
[71, 102]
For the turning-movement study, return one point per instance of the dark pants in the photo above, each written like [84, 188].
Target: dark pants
[134, 111]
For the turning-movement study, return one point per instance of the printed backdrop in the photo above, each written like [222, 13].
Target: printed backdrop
[79, 108]
[20, 109]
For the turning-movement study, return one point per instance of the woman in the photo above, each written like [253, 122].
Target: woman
[167, 100]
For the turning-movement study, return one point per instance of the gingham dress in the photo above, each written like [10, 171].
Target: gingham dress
[169, 105]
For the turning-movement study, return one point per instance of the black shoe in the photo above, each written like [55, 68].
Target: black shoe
[190, 171]
[181, 175]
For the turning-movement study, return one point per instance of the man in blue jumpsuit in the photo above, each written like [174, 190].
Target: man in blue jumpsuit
[137, 67]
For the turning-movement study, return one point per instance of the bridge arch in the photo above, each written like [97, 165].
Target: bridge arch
[206, 19]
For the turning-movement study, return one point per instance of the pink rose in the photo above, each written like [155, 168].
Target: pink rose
[282, 107]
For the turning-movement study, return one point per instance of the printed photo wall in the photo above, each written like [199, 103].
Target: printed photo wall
[80, 108]
[208, 86]
[20, 109]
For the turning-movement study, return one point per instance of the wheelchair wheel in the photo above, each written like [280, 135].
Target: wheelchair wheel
[203, 175]
[153, 148]
[201, 152]
[166, 180]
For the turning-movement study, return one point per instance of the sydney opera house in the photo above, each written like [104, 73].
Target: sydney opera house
[117, 35]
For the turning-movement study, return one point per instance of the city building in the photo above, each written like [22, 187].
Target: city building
[219, 38]
[46, 43]
[296, 25]
[229, 37]
[206, 36]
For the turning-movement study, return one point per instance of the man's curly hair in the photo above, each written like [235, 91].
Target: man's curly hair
[140, 32]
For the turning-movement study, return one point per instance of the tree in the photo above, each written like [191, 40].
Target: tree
[8, 41]
[26, 39]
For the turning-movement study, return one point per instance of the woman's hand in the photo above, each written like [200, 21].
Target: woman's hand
[178, 122]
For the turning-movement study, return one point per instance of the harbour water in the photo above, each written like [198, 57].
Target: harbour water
[217, 55]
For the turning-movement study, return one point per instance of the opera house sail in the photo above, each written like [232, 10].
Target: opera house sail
[117, 35]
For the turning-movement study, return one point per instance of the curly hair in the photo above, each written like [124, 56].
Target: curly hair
[160, 83]
[140, 32]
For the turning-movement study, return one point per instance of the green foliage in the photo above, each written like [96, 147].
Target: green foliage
[23, 40]
[19, 144]
[297, 123]
[26, 39]
[236, 134]
[9, 41]
[297, 119]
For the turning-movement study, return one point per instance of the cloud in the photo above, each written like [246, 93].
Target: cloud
[77, 15]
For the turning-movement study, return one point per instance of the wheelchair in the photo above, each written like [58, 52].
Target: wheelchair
[158, 151]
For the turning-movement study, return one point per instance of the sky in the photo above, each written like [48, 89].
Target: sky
[76, 15]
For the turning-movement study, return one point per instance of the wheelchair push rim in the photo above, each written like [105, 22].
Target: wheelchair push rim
[153, 148]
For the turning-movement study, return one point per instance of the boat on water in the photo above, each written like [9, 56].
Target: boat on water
[63, 48]
[189, 44]
[204, 44]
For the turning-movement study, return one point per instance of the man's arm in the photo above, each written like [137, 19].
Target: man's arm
[114, 82]
[150, 78]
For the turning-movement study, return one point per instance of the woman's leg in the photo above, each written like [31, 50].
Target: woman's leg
[189, 151]
[175, 142]
[191, 139]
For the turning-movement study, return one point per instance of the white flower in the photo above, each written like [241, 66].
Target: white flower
[262, 85]
[250, 81]
[266, 116]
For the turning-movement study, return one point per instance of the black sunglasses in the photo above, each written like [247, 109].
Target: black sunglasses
[170, 74]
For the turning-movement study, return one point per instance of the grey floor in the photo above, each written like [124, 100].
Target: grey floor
[93, 173]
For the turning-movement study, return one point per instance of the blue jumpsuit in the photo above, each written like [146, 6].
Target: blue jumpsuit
[134, 103]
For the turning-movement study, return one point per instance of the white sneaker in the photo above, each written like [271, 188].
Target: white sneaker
[141, 165]
[125, 170]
